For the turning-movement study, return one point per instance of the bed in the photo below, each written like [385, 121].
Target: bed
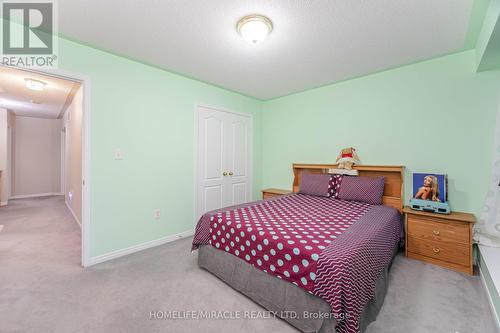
[319, 263]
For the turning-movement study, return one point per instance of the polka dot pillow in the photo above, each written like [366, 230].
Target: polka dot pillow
[362, 189]
[334, 186]
[315, 184]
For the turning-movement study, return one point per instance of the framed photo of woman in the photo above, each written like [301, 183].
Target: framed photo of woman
[430, 186]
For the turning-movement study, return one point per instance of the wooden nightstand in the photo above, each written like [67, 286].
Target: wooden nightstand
[444, 240]
[273, 192]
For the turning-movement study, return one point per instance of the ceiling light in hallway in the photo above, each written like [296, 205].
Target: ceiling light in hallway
[34, 84]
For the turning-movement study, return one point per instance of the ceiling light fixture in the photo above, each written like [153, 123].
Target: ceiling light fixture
[35, 84]
[254, 28]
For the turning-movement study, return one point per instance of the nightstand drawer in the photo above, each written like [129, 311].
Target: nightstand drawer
[456, 253]
[440, 239]
[431, 229]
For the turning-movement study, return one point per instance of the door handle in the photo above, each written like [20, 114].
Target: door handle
[230, 173]
[224, 173]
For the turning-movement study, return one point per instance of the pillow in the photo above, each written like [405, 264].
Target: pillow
[315, 184]
[334, 186]
[364, 189]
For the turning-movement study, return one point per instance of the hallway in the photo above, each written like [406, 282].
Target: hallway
[29, 226]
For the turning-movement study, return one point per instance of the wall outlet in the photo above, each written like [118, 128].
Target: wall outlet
[118, 154]
[157, 214]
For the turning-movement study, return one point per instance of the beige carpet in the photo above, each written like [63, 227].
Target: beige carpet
[43, 288]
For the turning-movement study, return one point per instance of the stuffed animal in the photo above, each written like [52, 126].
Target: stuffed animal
[347, 158]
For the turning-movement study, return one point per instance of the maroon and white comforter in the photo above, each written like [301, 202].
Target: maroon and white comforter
[334, 249]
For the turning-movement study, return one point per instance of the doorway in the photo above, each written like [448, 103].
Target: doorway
[48, 119]
[224, 159]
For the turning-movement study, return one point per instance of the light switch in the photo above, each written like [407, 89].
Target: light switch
[118, 154]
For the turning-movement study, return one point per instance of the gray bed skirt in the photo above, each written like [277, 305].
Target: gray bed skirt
[281, 296]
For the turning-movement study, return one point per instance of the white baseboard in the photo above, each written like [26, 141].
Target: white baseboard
[493, 310]
[136, 248]
[3, 203]
[26, 196]
[73, 213]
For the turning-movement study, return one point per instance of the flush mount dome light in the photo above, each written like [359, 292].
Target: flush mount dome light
[34, 84]
[254, 28]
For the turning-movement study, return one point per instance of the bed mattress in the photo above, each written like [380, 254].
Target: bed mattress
[333, 249]
[304, 311]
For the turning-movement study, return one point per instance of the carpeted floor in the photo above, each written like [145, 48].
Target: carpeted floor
[44, 289]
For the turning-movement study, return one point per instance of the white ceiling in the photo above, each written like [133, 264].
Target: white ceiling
[16, 97]
[313, 42]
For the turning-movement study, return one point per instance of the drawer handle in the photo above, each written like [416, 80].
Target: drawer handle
[435, 232]
[436, 250]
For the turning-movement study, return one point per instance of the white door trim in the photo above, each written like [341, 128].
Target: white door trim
[196, 150]
[9, 162]
[86, 179]
[63, 159]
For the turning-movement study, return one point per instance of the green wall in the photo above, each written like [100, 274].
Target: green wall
[149, 114]
[433, 116]
[488, 41]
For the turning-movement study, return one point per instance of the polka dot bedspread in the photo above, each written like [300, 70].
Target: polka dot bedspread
[332, 248]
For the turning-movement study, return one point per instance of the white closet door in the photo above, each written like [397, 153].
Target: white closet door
[224, 159]
[238, 155]
[210, 160]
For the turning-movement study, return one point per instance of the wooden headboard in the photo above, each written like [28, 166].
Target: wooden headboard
[394, 179]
